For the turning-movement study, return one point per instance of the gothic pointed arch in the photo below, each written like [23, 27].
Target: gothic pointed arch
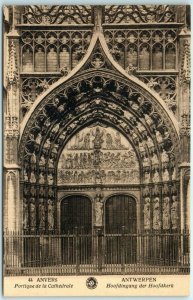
[100, 90]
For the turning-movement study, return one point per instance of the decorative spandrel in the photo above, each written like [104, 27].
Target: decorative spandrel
[98, 155]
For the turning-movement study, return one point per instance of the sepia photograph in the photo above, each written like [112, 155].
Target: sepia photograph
[96, 125]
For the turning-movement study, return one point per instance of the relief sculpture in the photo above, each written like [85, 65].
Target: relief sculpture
[98, 155]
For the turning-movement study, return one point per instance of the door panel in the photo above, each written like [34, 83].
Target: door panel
[76, 229]
[120, 230]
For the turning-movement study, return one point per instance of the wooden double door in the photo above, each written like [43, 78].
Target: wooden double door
[79, 241]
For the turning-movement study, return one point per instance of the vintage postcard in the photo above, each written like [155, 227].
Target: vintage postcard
[96, 150]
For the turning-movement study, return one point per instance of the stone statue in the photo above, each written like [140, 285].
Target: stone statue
[146, 177]
[25, 176]
[32, 213]
[146, 162]
[50, 179]
[109, 141]
[164, 156]
[33, 158]
[42, 161]
[156, 177]
[150, 142]
[98, 210]
[41, 178]
[155, 160]
[32, 177]
[165, 175]
[47, 144]
[38, 139]
[50, 163]
[98, 141]
[174, 174]
[174, 213]
[25, 215]
[166, 213]
[156, 214]
[87, 141]
[42, 215]
[50, 215]
[147, 213]
[148, 119]
[159, 137]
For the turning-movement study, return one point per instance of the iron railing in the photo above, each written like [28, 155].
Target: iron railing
[79, 253]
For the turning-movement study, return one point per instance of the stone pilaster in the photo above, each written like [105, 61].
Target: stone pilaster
[12, 203]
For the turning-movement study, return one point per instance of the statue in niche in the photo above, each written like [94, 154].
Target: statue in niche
[32, 177]
[32, 209]
[164, 157]
[156, 214]
[50, 179]
[159, 137]
[165, 175]
[156, 177]
[40, 60]
[154, 160]
[42, 214]
[87, 141]
[55, 149]
[98, 140]
[47, 144]
[132, 57]
[158, 58]
[50, 163]
[170, 57]
[174, 213]
[140, 127]
[141, 147]
[50, 215]
[98, 210]
[27, 61]
[174, 174]
[150, 143]
[146, 162]
[61, 108]
[148, 119]
[25, 175]
[146, 177]
[25, 215]
[144, 58]
[56, 128]
[41, 178]
[42, 161]
[38, 139]
[52, 64]
[147, 213]
[33, 158]
[166, 213]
